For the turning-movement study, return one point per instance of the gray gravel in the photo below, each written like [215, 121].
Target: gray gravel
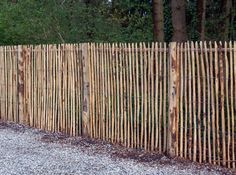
[25, 153]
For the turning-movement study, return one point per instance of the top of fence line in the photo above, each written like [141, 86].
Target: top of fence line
[121, 46]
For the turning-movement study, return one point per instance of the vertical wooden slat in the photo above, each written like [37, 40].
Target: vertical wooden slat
[199, 105]
[148, 95]
[157, 53]
[230, 145]
[165, 97]
[227, 104]
[182, 67]
[145, 95]
[204, 100]
[212, 104]
[194, 103]
[222, 103]
[233, 117]
[208, 103]
[190, 102]
[142, 93]
[186, 101]
[122, 91]
[152, 124]
[173, 99]
[134, 98]
[160, 80]
[137, 73]
[117, 92]
[217, 103]
[86, 92]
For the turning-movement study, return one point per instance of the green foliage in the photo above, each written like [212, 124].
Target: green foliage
[57, 21]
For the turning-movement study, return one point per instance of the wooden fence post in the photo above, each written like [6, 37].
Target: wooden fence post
[173, 98]
[21, 85]
[85, 112]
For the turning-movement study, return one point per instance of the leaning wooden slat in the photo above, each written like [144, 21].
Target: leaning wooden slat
[181, 100]
[194, 104]
[233, 117]
[212, 104]
[199, 105]
[204, 99]
[222, 102]
[227, 103]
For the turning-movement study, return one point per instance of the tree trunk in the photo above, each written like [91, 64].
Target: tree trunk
[226, 10]
[178, 20]
[201, 15]
[158, 20]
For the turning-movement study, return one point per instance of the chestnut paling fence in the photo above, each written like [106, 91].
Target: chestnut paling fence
[178, 98]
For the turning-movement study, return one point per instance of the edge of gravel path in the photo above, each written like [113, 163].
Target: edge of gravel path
[115, 151]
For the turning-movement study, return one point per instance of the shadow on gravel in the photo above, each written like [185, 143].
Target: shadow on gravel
[115, 151]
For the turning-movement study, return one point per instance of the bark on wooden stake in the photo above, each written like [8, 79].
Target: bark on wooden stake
[173, 99]
[21, 80]
[85, 117]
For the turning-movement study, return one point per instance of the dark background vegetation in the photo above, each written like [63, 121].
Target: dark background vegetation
[70, 21]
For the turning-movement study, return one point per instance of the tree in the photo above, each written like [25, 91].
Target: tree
[178, 20]
[226, 10]
[201, 15]
[158, 20]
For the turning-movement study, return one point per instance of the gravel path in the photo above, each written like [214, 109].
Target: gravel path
[24, 152]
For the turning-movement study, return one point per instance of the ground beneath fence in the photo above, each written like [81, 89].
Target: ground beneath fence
[30, 151]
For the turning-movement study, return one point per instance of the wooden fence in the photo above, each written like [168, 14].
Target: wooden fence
[177, 98]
